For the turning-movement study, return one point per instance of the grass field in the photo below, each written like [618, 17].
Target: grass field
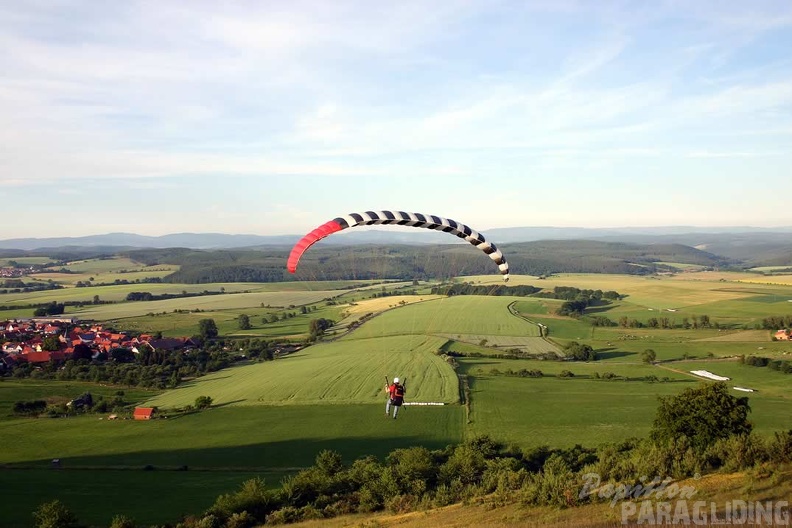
[95, 496]
[12, 390]
[276, 416]
[583, 410]
[341, 372]
[455, 315]
[104, 460]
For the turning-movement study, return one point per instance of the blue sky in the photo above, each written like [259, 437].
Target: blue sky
[272, 117]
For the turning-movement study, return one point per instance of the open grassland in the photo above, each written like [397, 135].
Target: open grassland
[464, 314]
[741, 336]
[784, 279]
[250, 438]
[95, 496]
[103, 265]
[276, 416]
[184, 323]
[381, 304]
[563, 412]
[340, 372]
[204, 302]
[221, 447]
[118, 292]
[683, 266]
[585, 410]
[661, 292]
[13, 390]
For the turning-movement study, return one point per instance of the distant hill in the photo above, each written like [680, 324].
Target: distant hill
[530, 248]
[687, 235]
[398, 261]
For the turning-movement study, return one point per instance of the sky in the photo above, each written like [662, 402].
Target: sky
[271, 117]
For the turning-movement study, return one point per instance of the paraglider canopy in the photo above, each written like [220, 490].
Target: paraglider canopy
[401, 218]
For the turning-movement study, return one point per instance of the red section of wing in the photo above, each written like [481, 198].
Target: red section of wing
[328, 228]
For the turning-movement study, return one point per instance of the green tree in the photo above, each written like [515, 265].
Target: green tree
[701, 414]
[50, 344]
[649, 356]
[54, 515]
[579, 352]
[244, 322]
[207, 328]
[203, 402]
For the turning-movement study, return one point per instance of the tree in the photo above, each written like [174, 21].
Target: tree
[701, 414]
[122, 355]
[50, 344]
[244, 322]
[54, 515]
[203, 402]
[318, 327]
[649, 356]
[579, 352]
[82, 351]
[207, 328]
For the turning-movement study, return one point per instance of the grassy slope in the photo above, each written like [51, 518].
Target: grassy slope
[750, 486]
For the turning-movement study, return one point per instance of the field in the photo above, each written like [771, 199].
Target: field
[269, 418]
[341, 372]
[221, 447]
[454, 315]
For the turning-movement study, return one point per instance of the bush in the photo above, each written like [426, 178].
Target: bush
[54, 515]
[203, 402]
[251, 497]
[122, 521]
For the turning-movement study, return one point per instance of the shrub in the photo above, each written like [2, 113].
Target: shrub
[54, 515]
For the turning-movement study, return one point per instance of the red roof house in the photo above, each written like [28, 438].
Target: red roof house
[143, 413]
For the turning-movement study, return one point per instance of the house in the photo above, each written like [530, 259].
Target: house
[44, 357]
[143, 413]
[783, 335]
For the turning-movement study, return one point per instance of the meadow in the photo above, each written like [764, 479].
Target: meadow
[105, 462]
[341, 372]
[272, 417]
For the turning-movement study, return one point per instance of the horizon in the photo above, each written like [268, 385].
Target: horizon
[270, 119]
[624, 230]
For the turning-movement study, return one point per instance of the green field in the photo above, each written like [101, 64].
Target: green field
[588, 411]
[223, 445]
[455, 315]
[341, 372]
[273, 417]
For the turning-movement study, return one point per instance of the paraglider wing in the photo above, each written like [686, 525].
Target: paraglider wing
[425, 221]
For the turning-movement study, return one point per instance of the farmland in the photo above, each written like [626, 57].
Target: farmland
[271, 417]
[341, 372]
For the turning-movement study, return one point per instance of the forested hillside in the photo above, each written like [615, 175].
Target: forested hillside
[409, 262]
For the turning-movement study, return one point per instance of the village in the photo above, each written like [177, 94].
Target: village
[41, 340]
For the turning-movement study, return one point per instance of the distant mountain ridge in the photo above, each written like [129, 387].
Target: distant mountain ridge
[689, 235]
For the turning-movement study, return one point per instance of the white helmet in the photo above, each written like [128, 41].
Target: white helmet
[395, 380]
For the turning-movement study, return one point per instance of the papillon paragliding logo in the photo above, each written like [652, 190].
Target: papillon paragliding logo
[398, 218]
